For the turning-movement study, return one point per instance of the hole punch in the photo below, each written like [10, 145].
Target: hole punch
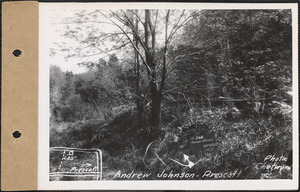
[16, 134]
[17, 52]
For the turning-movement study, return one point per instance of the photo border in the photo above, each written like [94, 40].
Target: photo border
[44, 184]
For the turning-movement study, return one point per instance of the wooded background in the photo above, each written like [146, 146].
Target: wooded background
[155, 79]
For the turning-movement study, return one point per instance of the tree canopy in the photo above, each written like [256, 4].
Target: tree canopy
[157, 78]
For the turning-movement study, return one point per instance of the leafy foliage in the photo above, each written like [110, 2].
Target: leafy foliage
[224, 71]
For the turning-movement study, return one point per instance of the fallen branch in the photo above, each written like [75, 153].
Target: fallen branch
[160, 159]
[146, 153]
[82, 121]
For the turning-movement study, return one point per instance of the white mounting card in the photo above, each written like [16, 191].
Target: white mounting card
[168, 96]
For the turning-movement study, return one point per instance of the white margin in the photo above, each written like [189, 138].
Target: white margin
[43, 148]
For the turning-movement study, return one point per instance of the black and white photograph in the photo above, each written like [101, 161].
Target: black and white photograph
[175, 92]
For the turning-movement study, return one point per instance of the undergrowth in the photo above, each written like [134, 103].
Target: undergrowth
[242, 142]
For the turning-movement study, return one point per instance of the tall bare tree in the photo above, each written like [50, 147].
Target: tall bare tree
[149, 32]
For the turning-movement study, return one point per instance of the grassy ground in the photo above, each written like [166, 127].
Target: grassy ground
[243, 143]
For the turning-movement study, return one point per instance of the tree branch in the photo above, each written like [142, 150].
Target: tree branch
[164, 70]
[131, 42]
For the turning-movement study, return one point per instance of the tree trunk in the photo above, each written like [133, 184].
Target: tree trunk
[156, 97]
[139, 104]
[155, 118]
